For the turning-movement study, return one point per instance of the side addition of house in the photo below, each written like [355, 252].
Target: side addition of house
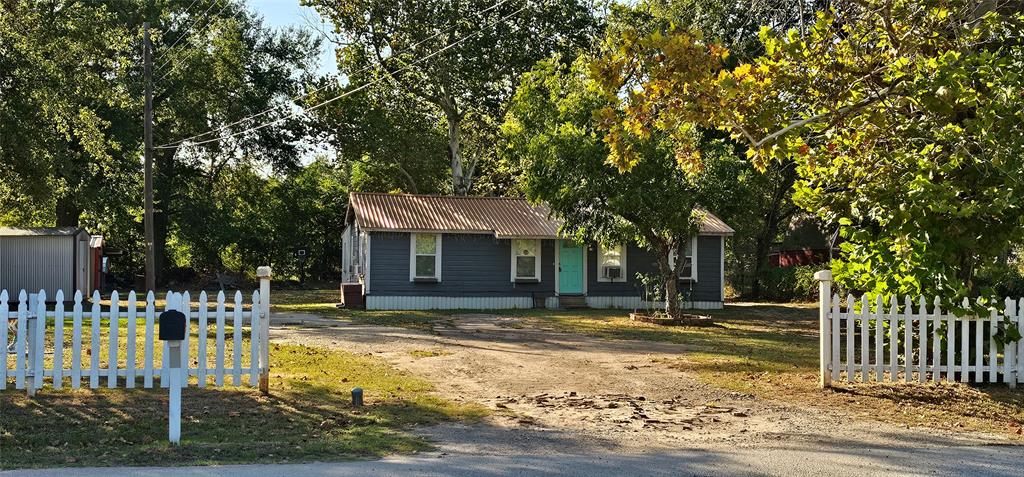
[414, 252]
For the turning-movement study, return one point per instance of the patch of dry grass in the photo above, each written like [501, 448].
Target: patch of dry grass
[428, 353]
[771, 351]
[323, 302]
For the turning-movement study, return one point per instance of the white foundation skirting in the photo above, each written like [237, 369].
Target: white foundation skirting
[635, 302]
[374, 302]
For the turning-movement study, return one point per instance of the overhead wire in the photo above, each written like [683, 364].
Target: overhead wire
[189, 29]
[346, 93]
[191, 52]
[316, 90]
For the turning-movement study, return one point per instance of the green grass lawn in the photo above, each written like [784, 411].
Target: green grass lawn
[323, 302]
[307, 417]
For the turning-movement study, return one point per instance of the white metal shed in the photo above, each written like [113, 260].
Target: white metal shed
[51, 259]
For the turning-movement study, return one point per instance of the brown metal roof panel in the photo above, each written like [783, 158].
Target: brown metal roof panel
[712, 225]
[507, 217]
[502, 216]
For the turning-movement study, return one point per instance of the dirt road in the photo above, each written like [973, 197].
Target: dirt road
[612, 393]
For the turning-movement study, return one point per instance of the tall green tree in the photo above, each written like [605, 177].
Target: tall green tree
[551, 131]
[71, 108]
[387, 139]
[468, 84]
[760, 205]
[224, 66]
[250, 217]
[65, 92]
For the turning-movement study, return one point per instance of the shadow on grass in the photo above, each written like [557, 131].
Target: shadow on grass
[768, 337]
[307, 417]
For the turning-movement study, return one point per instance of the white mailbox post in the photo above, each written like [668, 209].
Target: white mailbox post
[172, 330]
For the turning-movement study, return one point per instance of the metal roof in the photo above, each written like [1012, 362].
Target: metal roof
[712, 225]
[39, 231]
[504, 217]
[501, 216]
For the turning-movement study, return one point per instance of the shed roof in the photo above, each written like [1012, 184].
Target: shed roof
[39, 231]
[505, 217]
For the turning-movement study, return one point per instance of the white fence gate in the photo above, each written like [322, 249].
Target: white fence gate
[896, 341]
[42, 354]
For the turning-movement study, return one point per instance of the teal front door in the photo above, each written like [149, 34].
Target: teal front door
[570, 268]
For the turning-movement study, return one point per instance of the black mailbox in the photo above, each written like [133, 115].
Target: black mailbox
[172, 325]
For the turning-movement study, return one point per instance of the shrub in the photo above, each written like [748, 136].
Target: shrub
[790, 283]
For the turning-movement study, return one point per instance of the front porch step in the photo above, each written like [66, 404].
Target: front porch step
[570, 302]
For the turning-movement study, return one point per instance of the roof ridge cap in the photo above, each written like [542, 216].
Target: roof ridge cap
[440, 196]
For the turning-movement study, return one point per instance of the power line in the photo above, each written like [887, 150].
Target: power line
[201, 17]
[189, 53]
[316, 90]
[189, 29]
[346, 93]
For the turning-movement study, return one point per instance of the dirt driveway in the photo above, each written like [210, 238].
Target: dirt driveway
[606, 392]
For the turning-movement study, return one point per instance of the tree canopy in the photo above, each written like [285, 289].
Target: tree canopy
[71, 112]
[900, 116]
[461, 57]
[551, 132]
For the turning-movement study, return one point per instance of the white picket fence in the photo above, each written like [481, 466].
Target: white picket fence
[856, 344]
[40, 352]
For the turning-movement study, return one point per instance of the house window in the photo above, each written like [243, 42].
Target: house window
[688, 269]
[425, 263]
[611, 263]
[525, 259]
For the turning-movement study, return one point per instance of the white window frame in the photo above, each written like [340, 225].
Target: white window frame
[536, 266]
[601, 249]
[412, 258]
[693, 260]
[364, 266]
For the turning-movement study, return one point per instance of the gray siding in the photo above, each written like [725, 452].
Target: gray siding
[639, 260]
[709, 269]
[479, 265]
[471, 265]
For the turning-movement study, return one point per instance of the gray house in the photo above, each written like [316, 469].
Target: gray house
[442, 252]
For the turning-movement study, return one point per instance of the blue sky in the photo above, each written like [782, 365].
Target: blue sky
[284, 13]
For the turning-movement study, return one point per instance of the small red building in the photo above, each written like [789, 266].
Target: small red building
[805, 243]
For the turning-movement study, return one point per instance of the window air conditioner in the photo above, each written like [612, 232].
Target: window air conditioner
[612, 272]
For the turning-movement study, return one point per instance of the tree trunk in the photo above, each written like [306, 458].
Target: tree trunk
[965, 272]
[668, 279]
[68, 211]
[455, 153]
[460, 182]
[773, 219]
[672, 296]
[760, 260]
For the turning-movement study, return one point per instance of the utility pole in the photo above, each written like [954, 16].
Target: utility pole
[147, 59]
